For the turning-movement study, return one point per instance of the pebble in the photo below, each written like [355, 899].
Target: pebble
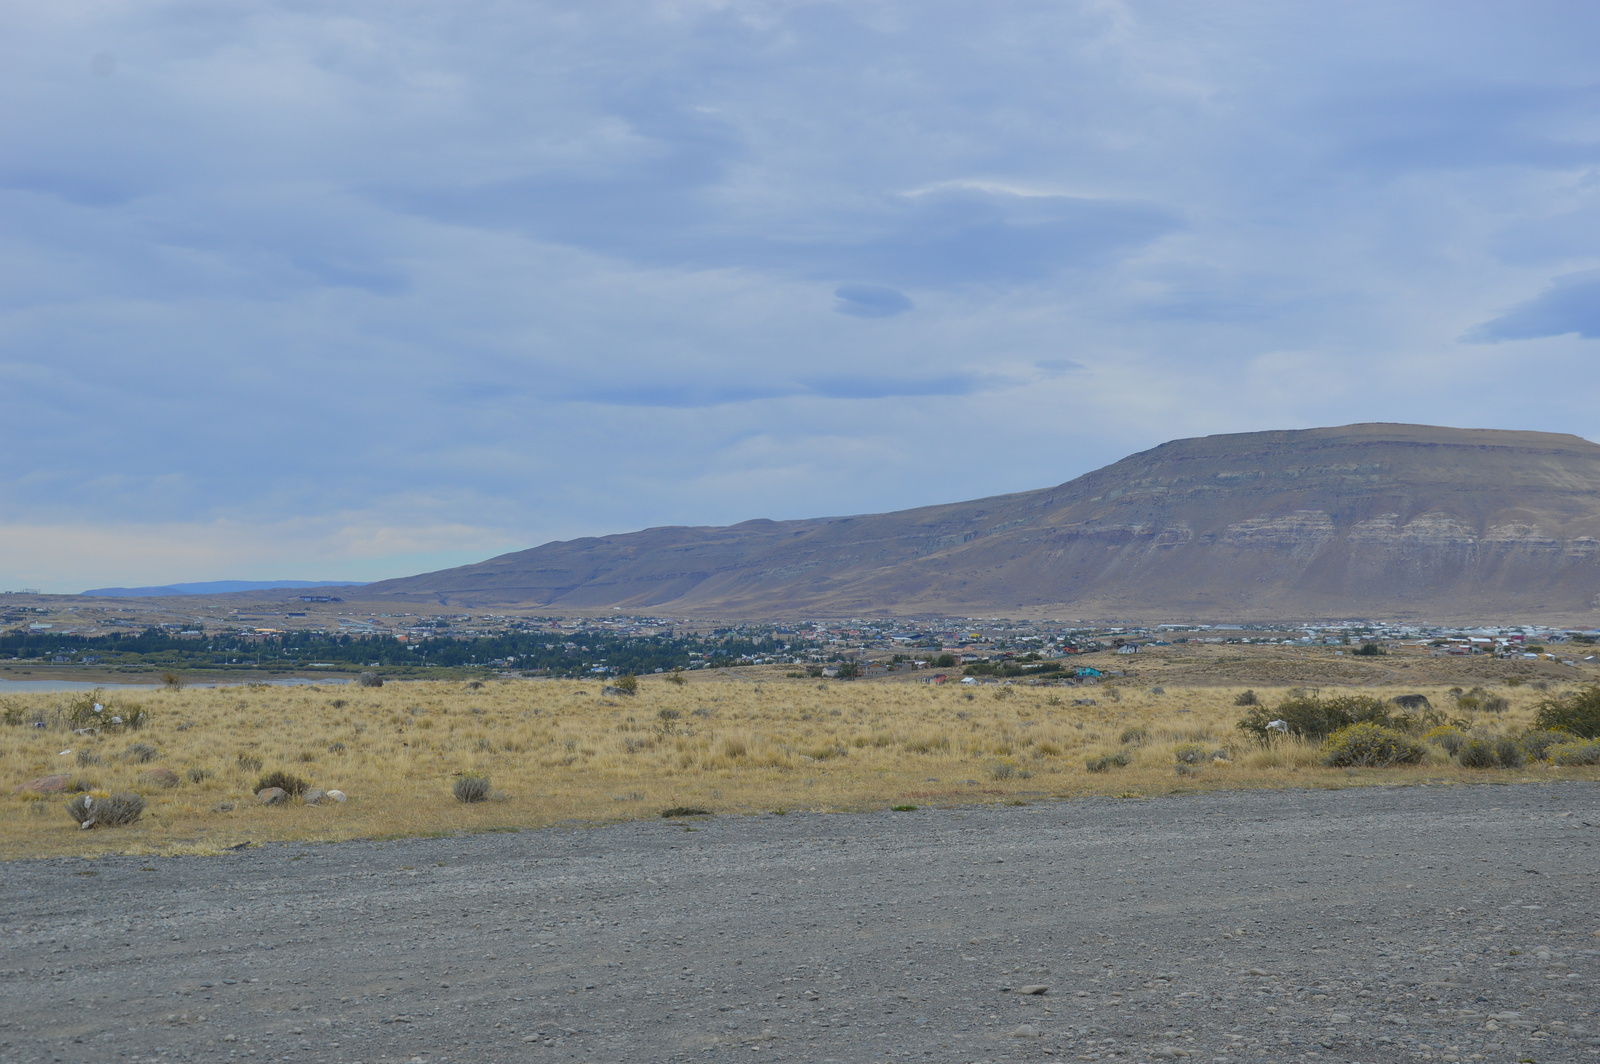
[272, 796]
[315, 796]
[1026, 1030]
[1035, 988]
[1339, 1017]
[335, 796]
[160, 777]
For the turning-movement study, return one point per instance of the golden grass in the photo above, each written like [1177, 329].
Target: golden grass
[561, 752]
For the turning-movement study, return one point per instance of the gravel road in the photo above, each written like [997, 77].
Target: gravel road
[1370, 924]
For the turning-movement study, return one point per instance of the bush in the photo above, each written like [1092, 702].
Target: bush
[1577, 712]
[92, 710]
[250, 762]
[684, 810]
[140, 753]
[676, 677]
[1498, 751]
[1135, 736]
[369, 679]
[1537, 743]
[1247, 698]
[99, 808]
[1366, 744]
[1446, 738]
[290, 784]
[1580, 753]
[1195, 753]
[471, 787]
[1312, 717]
[1107, 762]
[87, 757]
[627, 683]
[1369, 650]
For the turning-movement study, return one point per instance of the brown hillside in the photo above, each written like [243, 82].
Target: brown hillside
[1372, 520]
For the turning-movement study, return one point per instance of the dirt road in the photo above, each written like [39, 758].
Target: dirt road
[1362, 925]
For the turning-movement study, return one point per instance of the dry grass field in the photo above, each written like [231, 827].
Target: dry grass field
[560, 752]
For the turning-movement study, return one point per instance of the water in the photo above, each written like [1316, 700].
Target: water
[25, 686]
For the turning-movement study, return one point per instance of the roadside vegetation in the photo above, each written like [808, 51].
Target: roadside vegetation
[417, 757]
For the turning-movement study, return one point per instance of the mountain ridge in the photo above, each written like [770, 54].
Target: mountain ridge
[1367, 520]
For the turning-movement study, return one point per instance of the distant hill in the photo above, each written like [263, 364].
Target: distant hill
[1377, 520]
[213, 587]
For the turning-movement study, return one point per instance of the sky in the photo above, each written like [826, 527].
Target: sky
[356, 290]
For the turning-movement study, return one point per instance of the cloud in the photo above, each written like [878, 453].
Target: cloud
[523, 272]
[1570, 305]
[870, 301]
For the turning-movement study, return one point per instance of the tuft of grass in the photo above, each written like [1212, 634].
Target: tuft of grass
[471, 787]
[140, 753]
[1246, 698]
[1137, 735]
[291, 784]
[904, 808]
[684, 810]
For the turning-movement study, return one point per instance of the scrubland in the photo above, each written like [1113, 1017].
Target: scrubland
[558, 751]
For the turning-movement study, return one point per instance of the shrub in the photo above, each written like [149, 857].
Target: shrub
[92, 710]
[1003, 769]
[1495, 704]
[87, 757]
[111, 810]
[369, 679]
[1313, 717]
[250, 762]
[172, 681]
[471, 787]
[1497, 751]
[627, 683]
[1579, 753]
[1366, 744]
[1195, 753]
[1369, 650]
[1135, 736]
[1446, 738]
[676, 677]
[684, 810]
[140, 753]
[1247, 698]
[290, 784]
[197, 775]
[1107, 762]
[1577, 712]
[1536, 743]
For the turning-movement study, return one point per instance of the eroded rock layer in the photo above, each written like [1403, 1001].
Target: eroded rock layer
[1376, 520]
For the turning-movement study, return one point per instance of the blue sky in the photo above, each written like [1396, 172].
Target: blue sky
[347, 291]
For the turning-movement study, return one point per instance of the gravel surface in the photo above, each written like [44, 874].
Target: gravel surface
[1369, 924]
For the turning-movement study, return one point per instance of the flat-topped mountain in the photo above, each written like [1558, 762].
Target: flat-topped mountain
[1379, 520]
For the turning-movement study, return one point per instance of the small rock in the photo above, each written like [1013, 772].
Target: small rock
[60, 783]
[272, 796]
[159, 777]
[334, 796]
[1034, 988]
[314, 796]
[1395, 1018]
[1026, 1030]
[224, 807]
[1339, 1017]
[1169, 1052]
[1259, 971]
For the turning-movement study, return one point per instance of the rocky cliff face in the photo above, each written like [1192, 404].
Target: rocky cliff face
[1360, 521]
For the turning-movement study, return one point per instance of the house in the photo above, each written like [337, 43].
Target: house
[1128, 648]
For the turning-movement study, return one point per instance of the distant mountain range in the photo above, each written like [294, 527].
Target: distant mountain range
[1373, 521]
[212, 587]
